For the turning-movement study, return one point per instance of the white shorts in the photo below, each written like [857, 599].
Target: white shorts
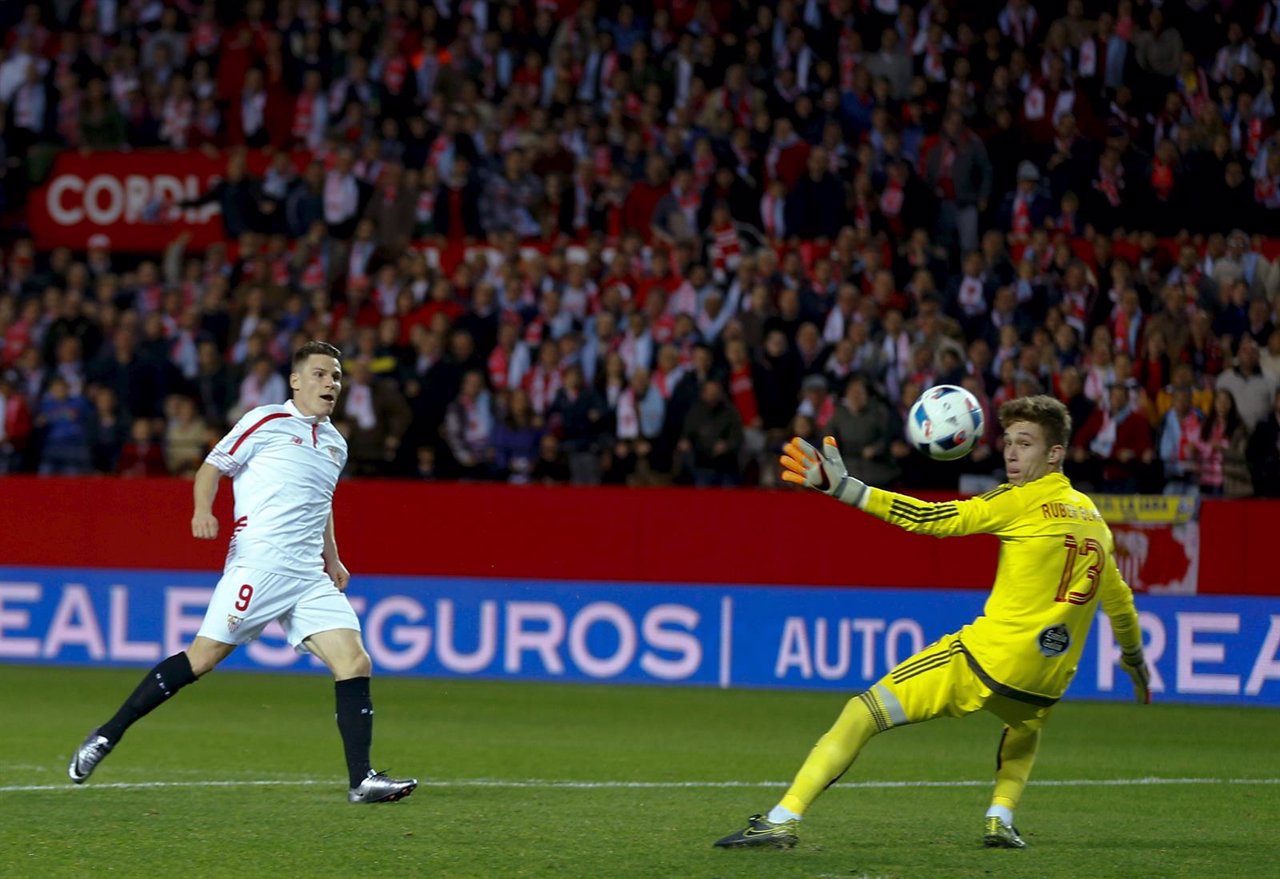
[246, 600]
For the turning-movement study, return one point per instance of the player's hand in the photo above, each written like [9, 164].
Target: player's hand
[823, 471]
[204, 526]
[339, 574]
[1136, 666]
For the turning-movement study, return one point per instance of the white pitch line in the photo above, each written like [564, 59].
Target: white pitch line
[549, 784]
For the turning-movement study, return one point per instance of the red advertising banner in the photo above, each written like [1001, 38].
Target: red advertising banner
[784, 538]
[130, 197]
[120, 195]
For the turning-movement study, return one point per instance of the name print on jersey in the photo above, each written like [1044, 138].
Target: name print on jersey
[1060, 510]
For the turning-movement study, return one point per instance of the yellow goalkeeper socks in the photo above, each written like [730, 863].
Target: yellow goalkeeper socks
[1014, 759]
[834, 753]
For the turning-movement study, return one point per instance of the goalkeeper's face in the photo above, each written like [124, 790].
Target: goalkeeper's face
[1027, 454]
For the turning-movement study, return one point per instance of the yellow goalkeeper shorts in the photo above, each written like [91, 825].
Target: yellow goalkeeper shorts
[943, 680]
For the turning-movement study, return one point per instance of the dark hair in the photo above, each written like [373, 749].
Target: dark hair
[1233, 420]
[1046, 411]
[314, 347]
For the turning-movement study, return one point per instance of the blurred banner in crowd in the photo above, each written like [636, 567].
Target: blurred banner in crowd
[1157, 540]
[132, 198]
[1203, 649]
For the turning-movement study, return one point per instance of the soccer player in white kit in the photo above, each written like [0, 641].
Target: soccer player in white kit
[282, 564]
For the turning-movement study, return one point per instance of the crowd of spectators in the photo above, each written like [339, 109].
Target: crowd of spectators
[644, 242]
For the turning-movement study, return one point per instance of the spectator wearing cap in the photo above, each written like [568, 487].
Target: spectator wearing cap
[816, 401]
[1025, 208]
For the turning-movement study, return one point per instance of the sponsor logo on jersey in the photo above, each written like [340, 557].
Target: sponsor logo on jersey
[297, 440]
[1054, 641]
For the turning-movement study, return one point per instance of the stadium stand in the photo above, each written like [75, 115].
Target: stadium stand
[643, 242]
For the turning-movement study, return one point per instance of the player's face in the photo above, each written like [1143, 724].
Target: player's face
[316, 385]
[1027, 454]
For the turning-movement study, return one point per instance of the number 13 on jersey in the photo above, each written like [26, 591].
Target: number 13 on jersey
[1090, 552]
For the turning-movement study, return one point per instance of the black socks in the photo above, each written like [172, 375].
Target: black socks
[167, 678]
[355, 722]
[354, 710]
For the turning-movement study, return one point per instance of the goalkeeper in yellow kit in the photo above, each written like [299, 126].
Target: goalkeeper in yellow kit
[1017, 658]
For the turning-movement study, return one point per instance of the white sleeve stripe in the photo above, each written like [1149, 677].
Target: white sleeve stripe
[223, 462]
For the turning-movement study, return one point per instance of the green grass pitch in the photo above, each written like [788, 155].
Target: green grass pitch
[242, 775]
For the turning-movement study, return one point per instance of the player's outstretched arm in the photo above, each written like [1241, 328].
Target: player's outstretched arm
[203, 524]
[825, 471]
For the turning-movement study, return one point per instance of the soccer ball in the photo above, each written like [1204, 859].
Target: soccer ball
[945, 422]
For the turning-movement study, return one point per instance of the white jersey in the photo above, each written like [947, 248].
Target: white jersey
[284, 467]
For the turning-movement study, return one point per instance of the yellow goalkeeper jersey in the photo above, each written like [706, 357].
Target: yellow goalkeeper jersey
[1056, 563]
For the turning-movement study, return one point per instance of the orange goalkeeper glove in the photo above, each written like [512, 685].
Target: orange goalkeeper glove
[1136, 665]
[823, 471]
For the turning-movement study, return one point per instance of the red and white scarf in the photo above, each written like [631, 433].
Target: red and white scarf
[542, 384]
[303, 114]
[628, 415]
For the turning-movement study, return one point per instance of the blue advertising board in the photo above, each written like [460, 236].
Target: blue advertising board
[1202, 649]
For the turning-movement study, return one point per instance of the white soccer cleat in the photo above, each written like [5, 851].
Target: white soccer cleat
[88, 756]
[378, 788]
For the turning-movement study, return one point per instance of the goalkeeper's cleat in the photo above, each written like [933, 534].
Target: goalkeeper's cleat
[377, 787]
[88, 756]
[1001, 835]
[760, 831]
